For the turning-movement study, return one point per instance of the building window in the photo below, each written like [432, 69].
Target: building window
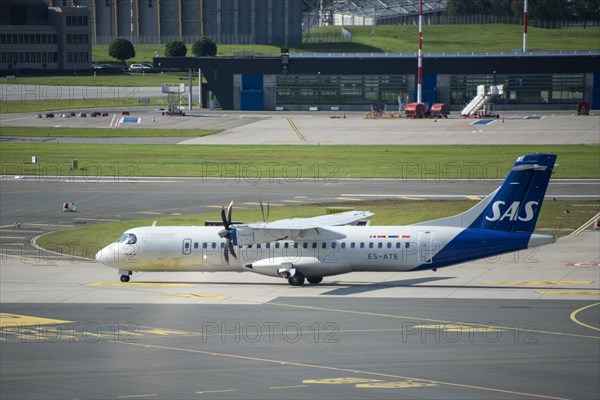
[340, 89]
[520, 89]
[149, 3]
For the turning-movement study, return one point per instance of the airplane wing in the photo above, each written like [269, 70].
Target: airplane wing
[313, 228]
[338, 219]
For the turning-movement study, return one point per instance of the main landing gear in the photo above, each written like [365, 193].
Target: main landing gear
[298, 280]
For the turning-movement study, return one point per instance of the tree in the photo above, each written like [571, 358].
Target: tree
[121, 49]
[586, 10]
[175, 49]
[204, 47]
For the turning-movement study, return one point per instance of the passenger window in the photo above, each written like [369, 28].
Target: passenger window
[362, 245]
[204, 245]
[398, 245]
[213, 245]
[406, 245]
[380, 245]
[343, 245]
[196, 245]
[277, 245]
[333, 245]
[268, 245]
[389, 245]
[314, 245]
[352, 245]
[305, 245]
[258, 246]
[370, 245]
[324, 245]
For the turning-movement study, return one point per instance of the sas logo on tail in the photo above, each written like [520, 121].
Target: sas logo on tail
[512, 213]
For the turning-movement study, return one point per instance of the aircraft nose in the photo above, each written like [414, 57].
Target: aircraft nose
[103, 256]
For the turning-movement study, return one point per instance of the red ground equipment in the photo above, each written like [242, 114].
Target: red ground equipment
[440, 110]
[583, 108]
[415, 110]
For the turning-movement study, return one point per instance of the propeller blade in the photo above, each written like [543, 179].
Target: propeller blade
[268, 210]
[229, 210]
[224, 218]
[231, 250]
[262, 209]
[226, 253]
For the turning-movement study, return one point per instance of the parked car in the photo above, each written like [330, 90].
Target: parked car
[141, 67]
[109, 69]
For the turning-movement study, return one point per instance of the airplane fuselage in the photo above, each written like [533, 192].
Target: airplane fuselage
[372, 248]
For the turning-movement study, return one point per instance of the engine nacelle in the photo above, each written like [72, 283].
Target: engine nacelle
[308, 266]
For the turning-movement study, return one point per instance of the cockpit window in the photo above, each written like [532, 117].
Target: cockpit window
[127, 238]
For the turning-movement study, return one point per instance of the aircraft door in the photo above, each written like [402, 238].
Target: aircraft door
[426, 251]
[187, 247]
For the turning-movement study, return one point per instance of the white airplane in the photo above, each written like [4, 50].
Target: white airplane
[312, 248]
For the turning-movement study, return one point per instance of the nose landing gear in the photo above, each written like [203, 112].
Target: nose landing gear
[125, 275]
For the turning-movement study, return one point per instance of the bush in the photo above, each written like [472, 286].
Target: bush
[175, 49]
[204, 47]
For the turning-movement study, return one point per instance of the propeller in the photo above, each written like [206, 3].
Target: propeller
[226, 232]
[262, 210]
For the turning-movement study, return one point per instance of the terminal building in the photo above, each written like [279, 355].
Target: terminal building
[532, 81]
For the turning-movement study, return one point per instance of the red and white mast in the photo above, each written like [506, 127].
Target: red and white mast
[525, 26]
[420, 53]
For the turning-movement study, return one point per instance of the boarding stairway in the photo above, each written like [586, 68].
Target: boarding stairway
[480, 104]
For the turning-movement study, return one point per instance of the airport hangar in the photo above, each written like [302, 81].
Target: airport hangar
[532, 80]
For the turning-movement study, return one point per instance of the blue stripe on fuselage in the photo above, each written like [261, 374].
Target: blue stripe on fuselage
[472, 244]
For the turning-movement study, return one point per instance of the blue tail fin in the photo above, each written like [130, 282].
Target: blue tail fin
[516, 204]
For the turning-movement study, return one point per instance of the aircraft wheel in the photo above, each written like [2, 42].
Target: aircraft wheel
[124, 278]
[296, 280]
[315, 280]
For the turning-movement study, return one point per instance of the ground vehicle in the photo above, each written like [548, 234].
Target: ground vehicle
[440, 110]
[583, 108]
[108, 69]
[141, 67]
[415, 110]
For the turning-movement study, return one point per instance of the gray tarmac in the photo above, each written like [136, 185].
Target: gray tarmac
[522, 326]
[334, 128]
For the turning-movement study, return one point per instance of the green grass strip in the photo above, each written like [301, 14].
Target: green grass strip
[321, 163]
[49, 132]
[127, 84]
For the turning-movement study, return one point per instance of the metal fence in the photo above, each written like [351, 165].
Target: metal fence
[312, 20]
[441, 19]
